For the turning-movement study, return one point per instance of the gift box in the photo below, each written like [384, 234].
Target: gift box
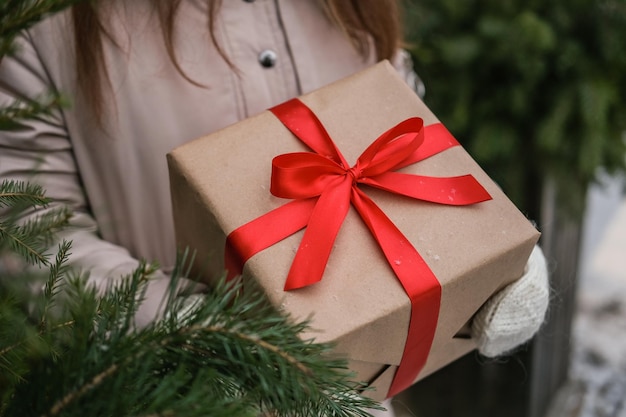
[404, 274]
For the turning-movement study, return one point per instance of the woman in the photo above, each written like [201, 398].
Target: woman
[145, 76]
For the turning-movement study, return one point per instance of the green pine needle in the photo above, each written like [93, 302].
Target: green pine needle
[18, 15]
[52, 289]
[32, 238]
[12, 116]
[21, 194]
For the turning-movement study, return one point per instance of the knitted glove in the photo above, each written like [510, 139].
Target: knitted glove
[513, 316]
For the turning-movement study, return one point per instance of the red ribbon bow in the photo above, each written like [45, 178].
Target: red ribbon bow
[323, 186]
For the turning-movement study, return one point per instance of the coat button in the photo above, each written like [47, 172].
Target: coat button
[267, 58]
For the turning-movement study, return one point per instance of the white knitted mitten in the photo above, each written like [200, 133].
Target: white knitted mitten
[513, 315]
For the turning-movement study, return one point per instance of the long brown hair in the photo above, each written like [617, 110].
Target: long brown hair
[362, 21]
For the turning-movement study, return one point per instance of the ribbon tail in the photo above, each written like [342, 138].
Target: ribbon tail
[418, 281]
[263, 232]
[319, 237]
[454, 191]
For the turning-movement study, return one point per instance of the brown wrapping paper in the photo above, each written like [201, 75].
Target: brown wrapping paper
[221, 181]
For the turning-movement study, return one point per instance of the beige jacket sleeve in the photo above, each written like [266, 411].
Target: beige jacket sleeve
[40, 151]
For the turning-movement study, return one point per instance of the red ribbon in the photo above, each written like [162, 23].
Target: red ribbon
[323, 186]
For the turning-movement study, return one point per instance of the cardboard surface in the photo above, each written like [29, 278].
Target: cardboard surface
[221, 181]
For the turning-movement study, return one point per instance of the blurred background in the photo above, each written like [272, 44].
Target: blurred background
[536, 92]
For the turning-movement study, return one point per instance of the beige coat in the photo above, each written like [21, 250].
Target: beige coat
[115, 179]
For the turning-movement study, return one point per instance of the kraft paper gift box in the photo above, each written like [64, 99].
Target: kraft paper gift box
[222, 181]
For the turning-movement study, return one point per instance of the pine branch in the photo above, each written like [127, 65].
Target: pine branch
[6, 351]
[18, 15]
[46, 225]
[11, 116]
[23, 340]
[264, 351]
[54, 282]
[72, 396]
[21, 194]
[32, 239]
[228, 353]
[27, 246]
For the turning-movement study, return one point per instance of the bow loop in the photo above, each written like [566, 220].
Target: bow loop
[302, 175]
[393, 147]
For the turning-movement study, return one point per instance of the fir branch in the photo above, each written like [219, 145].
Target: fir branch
[32, 341]
[46, 225]
[72, 396]
[31, 239]
[19, 15]
[6, 350]
[10, 366]
[25, 245]
[53, 283]
[229, 354]
[264, 350]
[11, 116]
[253, 339]
[21, 194]
[117, 309]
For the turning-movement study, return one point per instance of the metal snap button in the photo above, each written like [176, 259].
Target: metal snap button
[267, 58]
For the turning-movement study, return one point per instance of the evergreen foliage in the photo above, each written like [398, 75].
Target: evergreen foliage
[228, 353]
[15, 17]
[22, 110]
[32, 238]
[533, 89]
[18, 15]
